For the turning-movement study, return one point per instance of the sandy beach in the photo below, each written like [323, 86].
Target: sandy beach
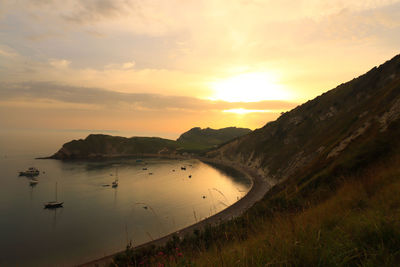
[260, 186]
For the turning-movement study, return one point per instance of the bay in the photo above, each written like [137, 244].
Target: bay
[154, 198]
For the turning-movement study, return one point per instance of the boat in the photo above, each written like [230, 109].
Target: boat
[32, 171]
[53, 204]
[114, 184]
[183, 168]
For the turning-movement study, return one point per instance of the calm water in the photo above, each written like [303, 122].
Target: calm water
[96, 220]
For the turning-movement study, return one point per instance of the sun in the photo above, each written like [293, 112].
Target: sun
[248, 87]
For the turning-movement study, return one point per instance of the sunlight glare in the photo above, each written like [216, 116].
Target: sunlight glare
[242, 111]
[248, 87]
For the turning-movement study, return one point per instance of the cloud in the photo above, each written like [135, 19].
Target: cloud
[178, 46]
[5, 53]
[59, 63]
[39, 91]
[123, 66]
[93, 10]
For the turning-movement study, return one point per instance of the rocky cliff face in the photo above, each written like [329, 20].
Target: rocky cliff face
[343, 120]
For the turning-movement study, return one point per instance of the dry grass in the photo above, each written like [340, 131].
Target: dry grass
[359, 225]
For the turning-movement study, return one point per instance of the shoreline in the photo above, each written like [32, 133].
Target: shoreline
[259, 187]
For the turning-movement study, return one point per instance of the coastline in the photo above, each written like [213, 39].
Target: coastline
[259, 187]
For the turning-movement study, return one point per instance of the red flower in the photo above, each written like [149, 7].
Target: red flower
[180, 254]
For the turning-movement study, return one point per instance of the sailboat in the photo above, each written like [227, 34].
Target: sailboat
[53, 204]
[115, 183]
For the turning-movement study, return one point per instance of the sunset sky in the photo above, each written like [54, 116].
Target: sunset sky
[162, 67]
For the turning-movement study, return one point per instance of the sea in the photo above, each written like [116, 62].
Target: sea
[154, 197]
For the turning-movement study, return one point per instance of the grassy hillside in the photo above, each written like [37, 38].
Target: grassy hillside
[336, 164]
[195, 140]
[203, 139]
[99, 145]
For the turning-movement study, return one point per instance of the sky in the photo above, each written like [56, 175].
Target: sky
[159, 68]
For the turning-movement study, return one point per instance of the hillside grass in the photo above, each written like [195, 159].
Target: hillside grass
[356, 223]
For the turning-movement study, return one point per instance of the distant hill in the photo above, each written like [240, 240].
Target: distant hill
[200, 139]
[101, 146]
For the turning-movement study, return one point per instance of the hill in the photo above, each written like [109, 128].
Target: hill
[203, 139]
[100, 146]
[335, 164]
[103, 146]
[353, 117]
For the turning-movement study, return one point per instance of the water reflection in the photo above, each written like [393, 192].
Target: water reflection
[98, 220]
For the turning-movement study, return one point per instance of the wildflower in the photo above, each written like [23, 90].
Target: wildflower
[180, 254]
[160, 253]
